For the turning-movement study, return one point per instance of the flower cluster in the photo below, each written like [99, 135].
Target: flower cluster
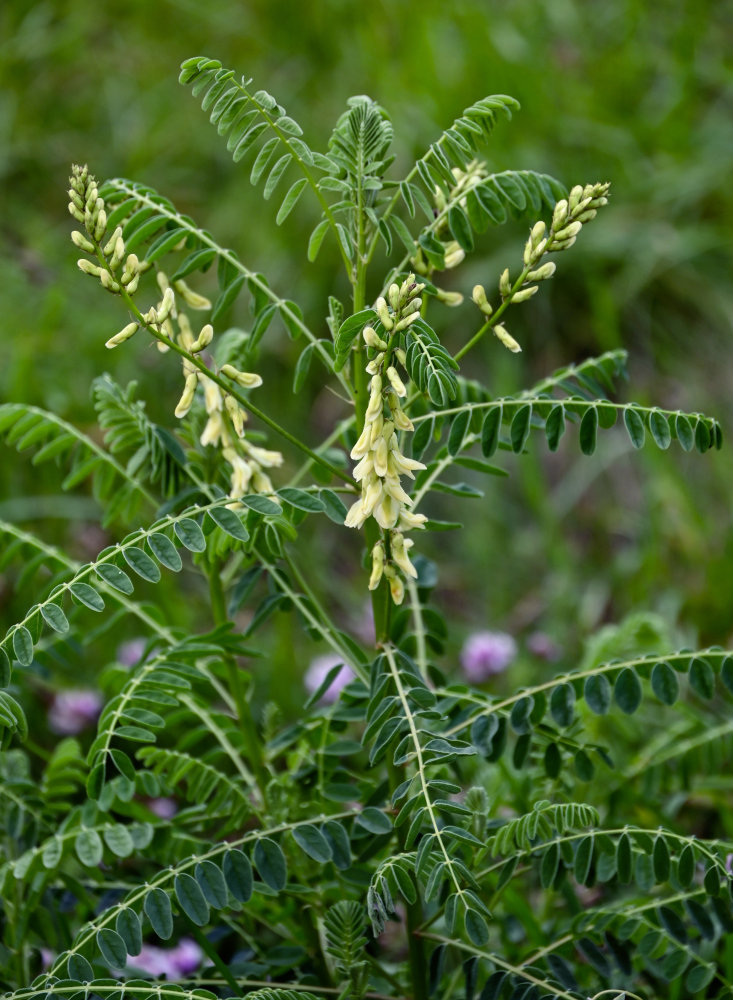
[377, 451]
[568, 217]
[486, 654]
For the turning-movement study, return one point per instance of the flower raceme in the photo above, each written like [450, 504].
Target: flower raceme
[381, 463]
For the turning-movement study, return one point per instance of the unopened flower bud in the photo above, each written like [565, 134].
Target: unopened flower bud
[91, 198]
[372, 339]
[393, 296]
[383, 312]
[401, 357]
[235, 414]
[119, 252]
[110, 245]
[559, 214]
[449, 298]
[479, 297]
[575, 196]
[88, 268]
[586, 216]
[506, 338]
[108, 281]
[546, 271]
[165, 307]
[526, 293]
[79, 240]
[77, 213]
[537, 233]
[396, 586]
[375, 364]
[569, 231]
[454, 255]
[377, 565]
[396, 382]
[124, 334]
[248, 380]
[407, 321]
[131, 269]
[399, 547]
[504, 283]
[191, 298]
[184, 403]
[401, 421]
[100, 225]
[204, 339]
[131, 286]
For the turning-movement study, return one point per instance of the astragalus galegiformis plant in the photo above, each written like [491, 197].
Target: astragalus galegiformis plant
[415, 837]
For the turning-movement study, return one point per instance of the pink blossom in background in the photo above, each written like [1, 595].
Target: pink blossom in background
[316, 673]
[131, 652]
[544, 646]
[485, 654]
[165, 808]
[72, 711]
[173, 963]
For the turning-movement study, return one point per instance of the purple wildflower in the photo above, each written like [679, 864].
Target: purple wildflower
[173, 963]
[485, 654]
[131, 652]
[542, 645]
[165, 808]
[316, 673]
[72, 711]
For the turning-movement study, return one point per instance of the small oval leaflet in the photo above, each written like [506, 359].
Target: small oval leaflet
[190, 534]
[191, 899]
[165, 551]
[374, 820]
[114, 577]
[89, 848]
[302, 500]
[635, 427]
[23, 646]
[112, 948]
[228, 521]
[157, 907]
[627, 691]
[310, 840]
[238, 874]
[270, 863]
[664, 683]
[597, 693]
[54, 617]
[212, 884]
[87, 595]
[138, 560]
[127, 925]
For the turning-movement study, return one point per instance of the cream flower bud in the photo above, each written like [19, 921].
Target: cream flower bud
[414, 305]
[213, 430]
[77, 213]
[505, 284]
[506, 338]
[166, 306]
[526, 293]
[393, 295]
[439, 199]
[479, 297]
[88, 268]
[383, 312]
[575, 196]
[248, 380]
[356, 515]
[79, 240]
[560, 214]
[118, 253]
[375, 364]
[261, 483]
[454, 255]
[396, 586]
[381, 454]
[399, 547]
[372, 339]
[263, 456]
[235, 415]
[563, 244]
[191, 298]
[124, 334]
[108, 281]
[100, 225]
[537, 233]
[569, 231]
[131, 286]
[546, 271]
[186, 400]
[396, 382]
[410, 520]
[401, 357]
[401, 421]
[110, 245]
[377, 565]
[407, 321]
[204, 339]
[213, 398]
[451, 299]
[586, 216]
[185, 336]
[131, 269]
[387, 511]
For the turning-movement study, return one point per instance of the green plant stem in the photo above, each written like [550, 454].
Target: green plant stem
[414, 916]
[247, 724]
[231, 389]
[219, 965]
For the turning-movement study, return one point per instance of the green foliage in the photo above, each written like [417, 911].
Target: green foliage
[506, 832]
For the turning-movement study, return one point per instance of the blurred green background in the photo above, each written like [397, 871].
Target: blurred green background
[636, 93]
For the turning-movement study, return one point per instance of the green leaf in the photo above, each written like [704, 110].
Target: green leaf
[562, 705]
[352, 327]
[23, 646]
[127, 925]
[699, 977]
[583, 860]
[519, 431]
[302, 500]
[212, 884]
[114, 577]
[333, 505]
[238, 874]
[458, 429]
[659, 428]
[597, 693]
[89, 848]
[270, 863]
[54, 616]
[197, 261]
[262, 504]
[702, 678]
[477, 930]
[664, 683]
[157, 906]
[627, 691]
[79, 969]
[635, 427]
[660, 859]
[686, 866]
[112, 948]
[290, 200]
[119, 841]
[460, 228]
[555, 426]
[374, 820]
[165, 551]
[549, 866]
[685, 433]
[87, 595]
[588, 431]
[229, 522]
[310, 840]
[190, 534]
[624, 859]
[316, 239]
[191, 899]
[226, 298]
